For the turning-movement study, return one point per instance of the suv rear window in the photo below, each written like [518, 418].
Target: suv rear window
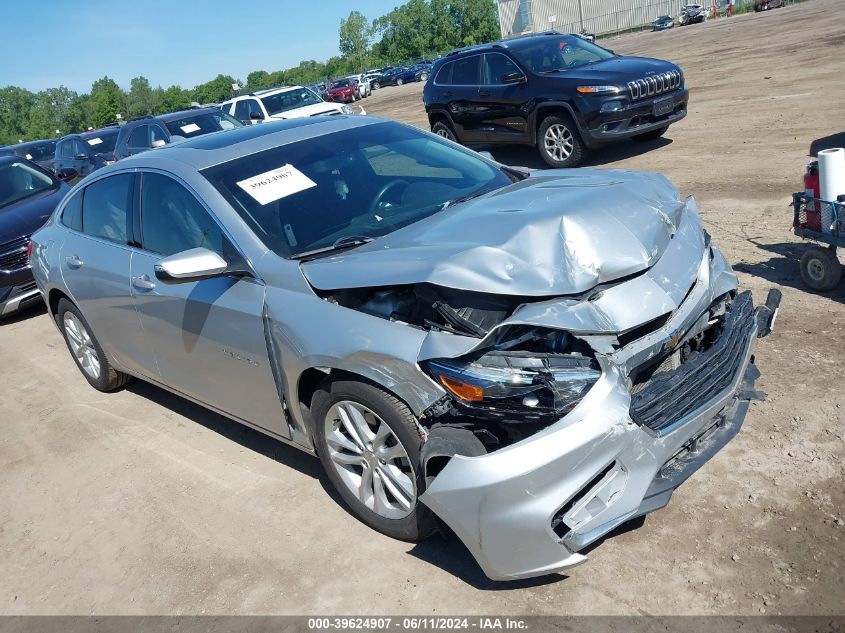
[444, 75]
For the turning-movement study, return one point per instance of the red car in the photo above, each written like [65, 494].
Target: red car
[343, 90]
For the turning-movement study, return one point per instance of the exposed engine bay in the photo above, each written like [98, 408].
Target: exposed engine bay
[523, 378]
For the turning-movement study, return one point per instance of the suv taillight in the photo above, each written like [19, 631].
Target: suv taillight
[28, 251]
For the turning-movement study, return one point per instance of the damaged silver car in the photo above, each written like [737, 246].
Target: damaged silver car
[533, 359]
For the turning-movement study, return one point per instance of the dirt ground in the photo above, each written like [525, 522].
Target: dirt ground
[141, 503]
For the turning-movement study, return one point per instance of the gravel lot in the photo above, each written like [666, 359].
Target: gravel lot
[139, 502]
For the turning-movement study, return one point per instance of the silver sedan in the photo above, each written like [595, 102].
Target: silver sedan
[534, 358]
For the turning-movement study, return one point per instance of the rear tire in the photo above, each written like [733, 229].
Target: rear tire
[650, 136]
[441, 128]
[86, 351]
[559, 142]
[820, 268]
[369, 444]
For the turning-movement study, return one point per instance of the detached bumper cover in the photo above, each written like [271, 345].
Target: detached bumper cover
[527, 509]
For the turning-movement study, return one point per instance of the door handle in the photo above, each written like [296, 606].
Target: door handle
[483, 93]
[143, 283]
[73, 261]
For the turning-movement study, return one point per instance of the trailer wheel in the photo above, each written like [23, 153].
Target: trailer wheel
[820, 268]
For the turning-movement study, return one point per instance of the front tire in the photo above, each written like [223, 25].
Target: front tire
[86, 351]
[399, 82]
[652, 135]
[559, 142]
[820, 268]
[369, 444]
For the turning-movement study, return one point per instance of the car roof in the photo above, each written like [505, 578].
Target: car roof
[29, 144]
[218, 147]
[181, 114]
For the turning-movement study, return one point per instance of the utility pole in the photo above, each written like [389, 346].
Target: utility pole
[581, 14]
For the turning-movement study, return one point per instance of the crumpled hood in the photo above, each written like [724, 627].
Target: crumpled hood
[559, 232]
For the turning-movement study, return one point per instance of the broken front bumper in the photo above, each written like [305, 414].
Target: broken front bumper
[527, 509]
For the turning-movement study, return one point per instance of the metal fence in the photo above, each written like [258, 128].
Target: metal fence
[571, 16]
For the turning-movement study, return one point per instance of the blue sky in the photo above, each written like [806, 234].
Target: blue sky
[47, 43]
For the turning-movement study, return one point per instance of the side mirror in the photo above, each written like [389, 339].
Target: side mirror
[514, 78]
[159, 143]
[68, 173]
[256, 116]
[81, 157]
[195, 264]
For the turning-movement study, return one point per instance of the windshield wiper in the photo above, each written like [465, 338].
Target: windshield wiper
[347, 241]
[469, 196]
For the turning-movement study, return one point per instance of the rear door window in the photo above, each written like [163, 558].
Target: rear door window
[444, 75]
[465, 71]
[140, 137]
[106, 208]
[72, 213]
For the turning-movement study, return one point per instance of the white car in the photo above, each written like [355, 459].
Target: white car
[364, 88]
[290, 102]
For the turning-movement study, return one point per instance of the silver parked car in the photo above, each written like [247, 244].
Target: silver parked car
[532, 358]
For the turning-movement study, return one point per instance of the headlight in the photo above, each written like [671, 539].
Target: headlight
[347, 110]
[525, 384]
[599, 90]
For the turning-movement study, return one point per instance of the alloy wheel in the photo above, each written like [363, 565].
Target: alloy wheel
[82, 345]
[558, 142]
[370, 460]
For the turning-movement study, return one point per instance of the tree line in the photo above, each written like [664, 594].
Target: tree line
[415, 30]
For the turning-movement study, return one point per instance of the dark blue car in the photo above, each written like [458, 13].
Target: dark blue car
[28, 196]
[400, 76]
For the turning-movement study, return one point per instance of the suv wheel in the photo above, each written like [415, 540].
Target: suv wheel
[369, 444]
[86, 351]
[442, 129]
[559, 142]
[650, 136]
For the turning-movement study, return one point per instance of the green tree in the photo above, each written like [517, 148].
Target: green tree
[257, 80]
[173, 99]
[355, 33]
[216, 90]
[142, 99]
[15, 108]
[108, 101]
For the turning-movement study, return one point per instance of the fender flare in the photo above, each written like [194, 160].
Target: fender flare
[539, 113]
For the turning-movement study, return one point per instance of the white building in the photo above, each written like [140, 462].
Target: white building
[593, 16]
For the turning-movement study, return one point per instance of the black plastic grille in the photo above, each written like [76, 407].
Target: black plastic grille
[13, 254]
[671, 395]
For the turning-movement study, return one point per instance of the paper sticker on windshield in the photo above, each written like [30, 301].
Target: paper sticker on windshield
[190, 128]
[95, 141]
[276, 184]
[29, 156]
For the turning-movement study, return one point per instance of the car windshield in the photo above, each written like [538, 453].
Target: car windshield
[192, 125]
[349, 187]
[550, 54]
[19, 181]
[340, 84]
[289, 100]
[101, 142]
[38, 151]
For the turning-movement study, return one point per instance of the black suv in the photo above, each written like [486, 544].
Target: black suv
[557, 92]
[77, 155]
